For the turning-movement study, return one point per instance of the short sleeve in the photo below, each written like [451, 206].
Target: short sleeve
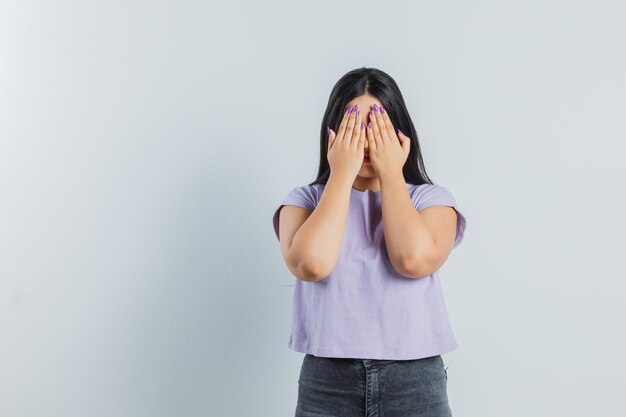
[304, 196]
[427, 195]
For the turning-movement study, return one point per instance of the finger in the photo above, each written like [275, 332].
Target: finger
[370, 137]
[344, 123]
[360, 143]
[357, 129]
[376, 132]
[347, 136]
[391, 132]
[380, 121]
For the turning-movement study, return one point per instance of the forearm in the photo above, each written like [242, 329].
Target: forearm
[318, 241]
[407, 237]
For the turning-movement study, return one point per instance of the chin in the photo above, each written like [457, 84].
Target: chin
[367, 172]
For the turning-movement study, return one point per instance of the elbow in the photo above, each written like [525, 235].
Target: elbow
[311, 269]
[307, 264]
[415, 267]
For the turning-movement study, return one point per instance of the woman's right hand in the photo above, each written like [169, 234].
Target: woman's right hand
[345, 148]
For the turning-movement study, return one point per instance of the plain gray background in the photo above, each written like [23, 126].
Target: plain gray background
[144, 147]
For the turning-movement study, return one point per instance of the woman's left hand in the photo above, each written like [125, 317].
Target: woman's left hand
[388, 151]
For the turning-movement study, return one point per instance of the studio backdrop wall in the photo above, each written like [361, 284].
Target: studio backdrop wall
[144, 147]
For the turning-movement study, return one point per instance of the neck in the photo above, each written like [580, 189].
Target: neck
[362, 184]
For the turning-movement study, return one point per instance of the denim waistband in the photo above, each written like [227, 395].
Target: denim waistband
[376, 363]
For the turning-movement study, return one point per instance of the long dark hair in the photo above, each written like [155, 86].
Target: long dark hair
[379, 84]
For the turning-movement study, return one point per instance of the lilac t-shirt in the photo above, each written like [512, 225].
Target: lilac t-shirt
[364, 308]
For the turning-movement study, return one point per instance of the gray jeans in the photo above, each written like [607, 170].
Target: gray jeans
[339, 387]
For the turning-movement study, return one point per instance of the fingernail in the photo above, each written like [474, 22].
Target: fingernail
[327, 130]
[400, 131]
[375, 107]
[362, 125]
[381, 110]
[369, 124]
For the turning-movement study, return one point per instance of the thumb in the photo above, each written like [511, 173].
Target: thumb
[331, 137]
[405, 141]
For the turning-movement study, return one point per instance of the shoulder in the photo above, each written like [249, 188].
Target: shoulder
[308, 195]
[311, 189]
[305, 196]
[424, 195]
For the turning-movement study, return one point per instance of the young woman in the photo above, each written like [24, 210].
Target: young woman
[368, 307]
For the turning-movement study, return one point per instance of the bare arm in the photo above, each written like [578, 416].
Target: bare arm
[314, 244]
[311, 243]
[418, 242]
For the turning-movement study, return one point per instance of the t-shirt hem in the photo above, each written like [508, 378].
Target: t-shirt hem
[355, 354]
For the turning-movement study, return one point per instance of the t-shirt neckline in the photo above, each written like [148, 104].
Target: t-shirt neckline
[364, 191]
[368, 191]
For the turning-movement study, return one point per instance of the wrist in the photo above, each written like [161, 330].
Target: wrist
[391, 177]
[341, 181]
